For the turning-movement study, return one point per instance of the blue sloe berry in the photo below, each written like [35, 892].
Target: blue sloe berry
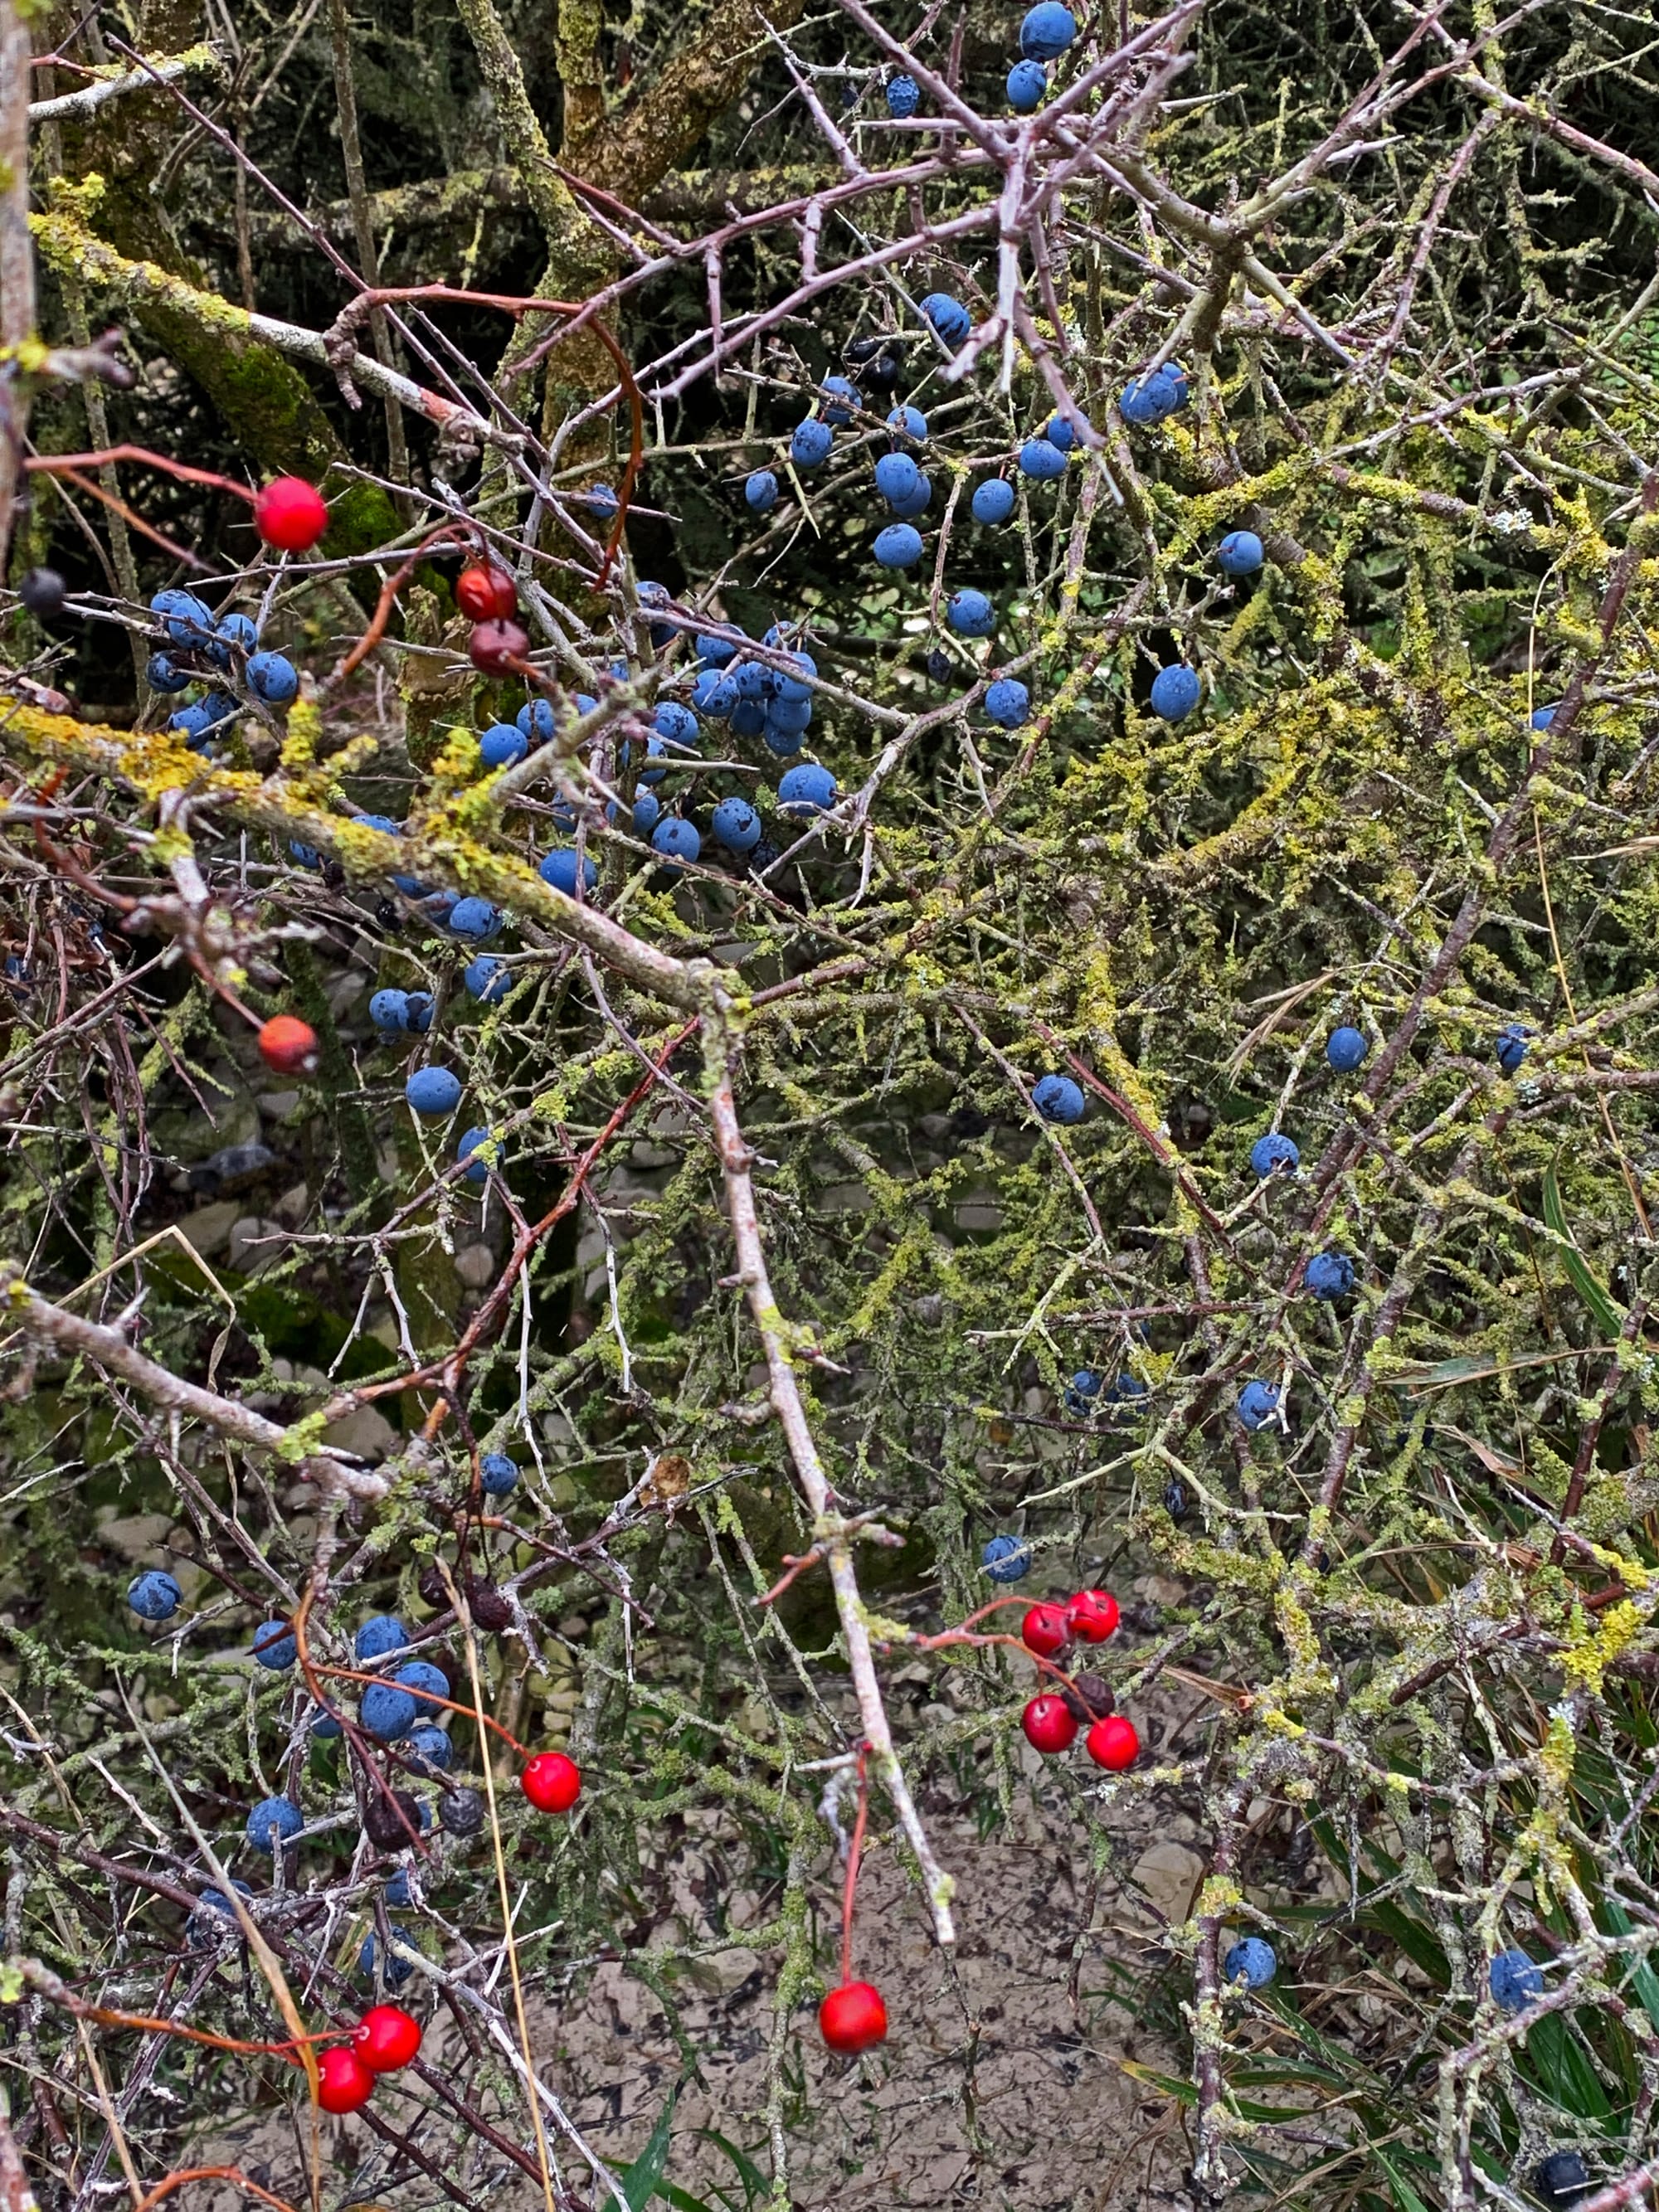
[1080, 1393]
[487, 979]
[1250, 1961]
[837, 414]
[809, 445]
[1563, 2179]
[419, 1012]
[748, 717]
[326, 1725]
[714, 651]
[502, 744]
[1516, 1981]
[898, 546]
[1027, 83]
[795, 687]
[676, 839]
[534, 720]
[1047, 31]
[1008, 702]
[1059, 431]
[971, 614]
[1330, 1276]
[1148, 400]
[396, 1971]
[808, 789]
[386, 1710]
[153, 1595]
[914, 502]
[274, 1645]
[761, 491]
[993, 500]
[558, 870]
[381, 1633]
[1512, 1047]
[792, 715]
[896, 476]
[903, 96]
[1257, 1404]
[948, 317]
[1273, 1154]
[1542, 717]
[736, 825]
[475, 918]
[163, 674]
[647, 812]
[909, 422]
[1006, 1559]
[1175, 691]
[428, 1745]
[214, 1917]
[423, 1682]
[498, 1473]
[274, 1820]
[397, 1891]
[1346, 1050]
[1240, 553]
[676, 723]
[434, 1091]
[598, 499]
[1041, 461]
[273, 677]
[182, 616]
[1057, 1098]
[231, 630]
[477, 1171]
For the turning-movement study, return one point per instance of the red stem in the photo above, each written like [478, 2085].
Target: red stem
[855, 1852]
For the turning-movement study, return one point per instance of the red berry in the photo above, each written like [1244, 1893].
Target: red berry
[1092, 1614]
[852, 2017]
[484, 592]
[495, 646]
[288, 1045]
[1048, 1727]
[552, 1782]
[1112, 1743]
[1044, 1631]
[346, 2082]
[290, 515]
[386, 2038]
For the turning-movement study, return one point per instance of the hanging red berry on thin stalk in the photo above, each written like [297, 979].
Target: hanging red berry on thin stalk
[484, 593]
[1093, 1615]
[853, 2018]
[290, 515]
[386, 2037]
[1044, 1630]
[552, 1782]
[343, 2082]
[1048, 1727]
[288, 1045]
[1113, 1743]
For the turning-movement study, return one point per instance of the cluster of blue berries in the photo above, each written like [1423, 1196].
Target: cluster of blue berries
[199, 646]
[1044, 36]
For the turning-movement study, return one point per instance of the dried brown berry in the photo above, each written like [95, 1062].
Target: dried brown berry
[1090, 1698]
[461, 1812]
[490, 1609]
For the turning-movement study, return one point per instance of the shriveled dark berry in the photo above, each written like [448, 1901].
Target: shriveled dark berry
[490, 1609]
[333, 874]
[432, 1587]
[461, 1812]
[939, 664]
[391, 1820]
[43, 591]
[762, 855]
[385, 913]
[1174, 1499]
[1090, 1698]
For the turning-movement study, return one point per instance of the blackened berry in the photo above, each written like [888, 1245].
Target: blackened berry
[1090, 1698]
[392, 1819]
[491, 1609]
[461, 1812]
[939, 664]
[1174, 1499]
[432, 1587]
[43, 591]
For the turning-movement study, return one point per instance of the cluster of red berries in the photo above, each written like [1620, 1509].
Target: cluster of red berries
[385, 2038]
[1051, 1721]
[489, 597]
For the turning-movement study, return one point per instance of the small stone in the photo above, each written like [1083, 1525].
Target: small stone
[1168, 1875]
[474, 1264]
[277, 1105]
[255, 1244]
[207, 1230]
